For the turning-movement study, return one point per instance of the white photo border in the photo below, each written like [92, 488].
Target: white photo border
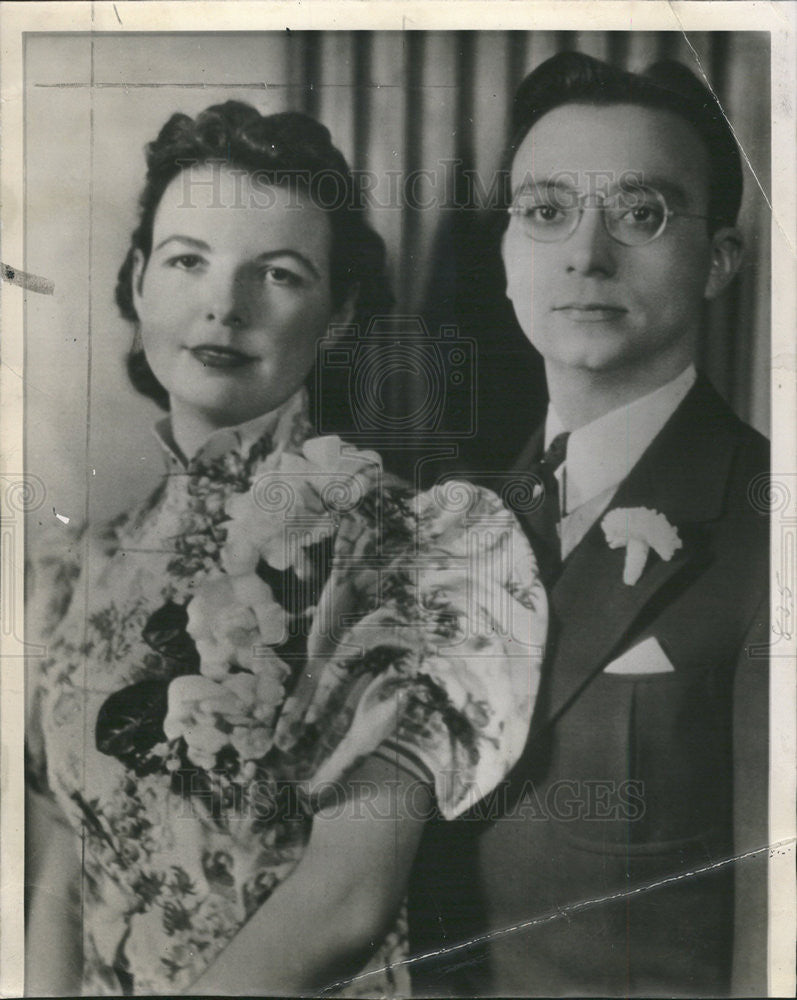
[17, 18]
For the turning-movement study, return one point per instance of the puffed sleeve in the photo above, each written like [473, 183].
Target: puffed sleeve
[427, 644]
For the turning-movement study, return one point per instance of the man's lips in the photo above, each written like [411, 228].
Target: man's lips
[219, 356]
[590, 311]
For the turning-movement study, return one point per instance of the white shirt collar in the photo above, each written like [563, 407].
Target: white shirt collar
[602, 453]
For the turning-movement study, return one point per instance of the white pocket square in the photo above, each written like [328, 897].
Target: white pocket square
[646, 658]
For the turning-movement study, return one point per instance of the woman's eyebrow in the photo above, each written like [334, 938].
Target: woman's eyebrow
[295, 254]
[188, 240]
[263, 257]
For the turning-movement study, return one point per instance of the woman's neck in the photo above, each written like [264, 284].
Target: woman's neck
[190, 428]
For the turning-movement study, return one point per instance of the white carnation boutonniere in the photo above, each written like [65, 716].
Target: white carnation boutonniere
[638, 530]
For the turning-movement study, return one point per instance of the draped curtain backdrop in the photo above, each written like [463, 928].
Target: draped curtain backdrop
[424, 117]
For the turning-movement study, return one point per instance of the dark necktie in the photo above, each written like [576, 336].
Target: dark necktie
[544, 520]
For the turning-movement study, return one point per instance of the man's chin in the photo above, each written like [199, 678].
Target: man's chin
[597, 358]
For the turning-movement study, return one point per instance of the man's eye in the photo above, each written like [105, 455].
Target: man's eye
[637, 208]
[538, 211]
[644, 215]
[544, 213]
[186, 261]
[281, 276]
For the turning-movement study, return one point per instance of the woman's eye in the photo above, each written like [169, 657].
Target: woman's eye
[186, 261]
[282, 276]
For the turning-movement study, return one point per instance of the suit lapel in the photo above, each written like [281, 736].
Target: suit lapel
[683, 474]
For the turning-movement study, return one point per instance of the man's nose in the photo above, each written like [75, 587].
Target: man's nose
[226, 299]
[590, 249]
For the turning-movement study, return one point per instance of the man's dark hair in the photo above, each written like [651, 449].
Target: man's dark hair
[287, 149]
[573, 77]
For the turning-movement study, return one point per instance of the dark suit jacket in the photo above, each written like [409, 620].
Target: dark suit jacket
[606, 865]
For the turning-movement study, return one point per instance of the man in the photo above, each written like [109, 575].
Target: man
[622, 861]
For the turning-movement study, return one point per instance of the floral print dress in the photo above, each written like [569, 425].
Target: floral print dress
[276, 612]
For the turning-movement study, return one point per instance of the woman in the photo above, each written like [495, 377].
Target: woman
[263, 679]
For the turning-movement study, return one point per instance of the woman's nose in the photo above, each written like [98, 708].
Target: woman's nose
[590, 249]
[225, 303]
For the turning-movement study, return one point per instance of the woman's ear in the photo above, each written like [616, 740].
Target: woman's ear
[137, 277]
[726, 256]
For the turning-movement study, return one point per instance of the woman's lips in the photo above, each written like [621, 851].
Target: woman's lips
[217, 356]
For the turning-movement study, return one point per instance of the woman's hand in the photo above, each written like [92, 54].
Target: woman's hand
[321, 925]
[53, 945]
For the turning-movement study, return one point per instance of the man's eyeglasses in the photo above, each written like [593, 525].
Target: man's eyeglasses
[633, 218]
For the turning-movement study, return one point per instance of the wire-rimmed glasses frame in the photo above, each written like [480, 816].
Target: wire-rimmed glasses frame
[632, 217]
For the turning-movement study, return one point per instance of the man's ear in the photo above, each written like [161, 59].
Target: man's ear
[137, 277]
[726, 256]
[344, 314]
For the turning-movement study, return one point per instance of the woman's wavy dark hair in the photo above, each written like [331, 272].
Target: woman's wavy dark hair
[287, 149]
